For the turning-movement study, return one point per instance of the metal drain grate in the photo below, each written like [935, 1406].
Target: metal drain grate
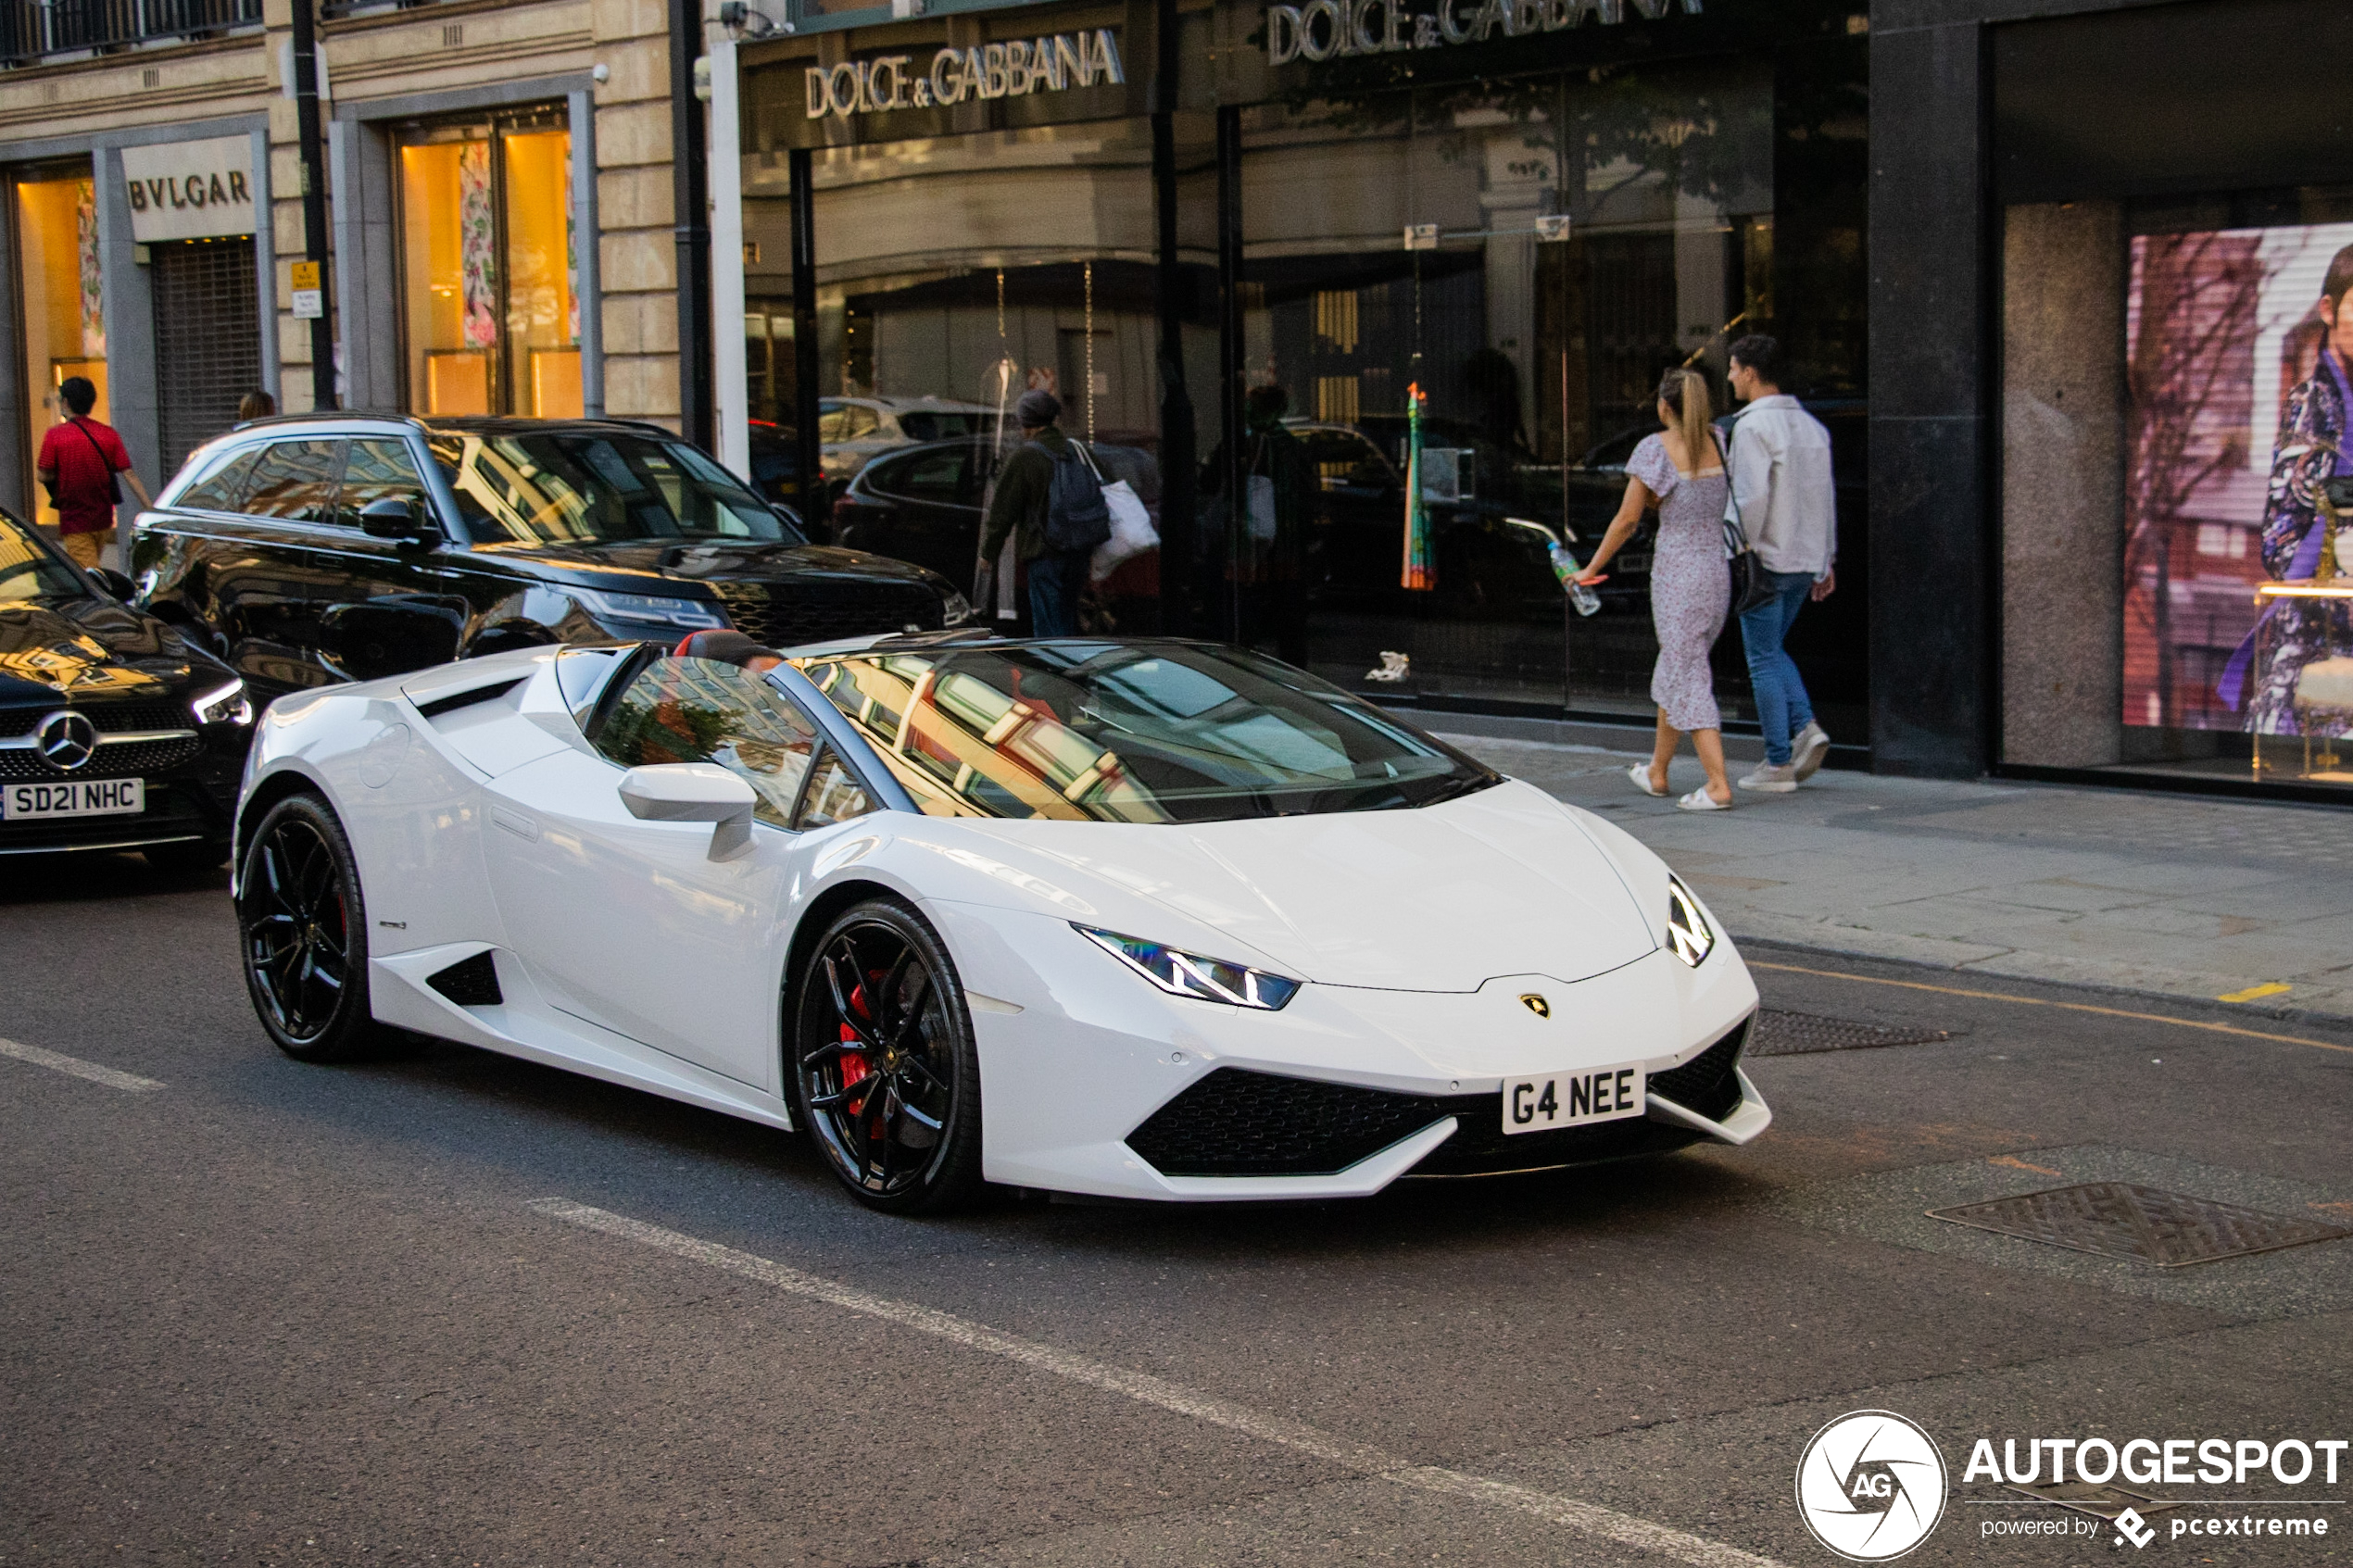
[1788, 1034]
[2120, 1219]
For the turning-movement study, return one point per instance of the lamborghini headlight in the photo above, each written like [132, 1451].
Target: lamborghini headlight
[1190, 974]
[226, 705]
[1687, 929]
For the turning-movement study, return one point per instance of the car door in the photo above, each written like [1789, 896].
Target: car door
[933, 516]
[268, 580]
[397, 607]
[631, 924]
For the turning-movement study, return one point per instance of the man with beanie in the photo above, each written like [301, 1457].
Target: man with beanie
[1056, 577]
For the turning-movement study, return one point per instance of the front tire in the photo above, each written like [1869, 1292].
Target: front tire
[885, 1077]
[302, 932]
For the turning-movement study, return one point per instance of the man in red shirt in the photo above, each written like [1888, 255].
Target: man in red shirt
[78, 462]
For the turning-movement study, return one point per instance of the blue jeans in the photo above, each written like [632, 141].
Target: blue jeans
[1782, 707]
[1055, 581]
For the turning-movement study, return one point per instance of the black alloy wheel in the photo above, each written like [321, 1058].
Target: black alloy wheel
[303, 935]
[884, 1074]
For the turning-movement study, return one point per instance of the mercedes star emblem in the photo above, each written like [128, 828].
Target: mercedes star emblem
[67, 739]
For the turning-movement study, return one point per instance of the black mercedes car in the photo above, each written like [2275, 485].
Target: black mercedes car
[318, 548]
[115, 732]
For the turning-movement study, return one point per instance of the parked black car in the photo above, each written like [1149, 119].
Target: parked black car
[115, 732]
[311, 549]
[923, 503]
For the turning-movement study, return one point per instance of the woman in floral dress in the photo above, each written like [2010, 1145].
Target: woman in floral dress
[1680, 472]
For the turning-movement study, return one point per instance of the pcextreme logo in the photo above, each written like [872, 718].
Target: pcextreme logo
[1871, 1485]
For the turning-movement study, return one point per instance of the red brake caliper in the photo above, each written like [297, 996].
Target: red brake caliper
[853, 1063]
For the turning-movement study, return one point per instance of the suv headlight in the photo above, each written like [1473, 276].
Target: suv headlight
[227, 705]
[1687, 929]
[660, 609]
[955, 610]
[1190, 974]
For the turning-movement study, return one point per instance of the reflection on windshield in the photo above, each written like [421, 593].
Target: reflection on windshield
[551, 489]
[28, 572]
[1131, 733]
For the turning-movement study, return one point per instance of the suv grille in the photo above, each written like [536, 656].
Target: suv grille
[814, 610]
[1237, 1122]
[126, 761]
[111, 718]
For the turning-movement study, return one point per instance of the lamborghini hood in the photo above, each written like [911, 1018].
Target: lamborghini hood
[1440, 899]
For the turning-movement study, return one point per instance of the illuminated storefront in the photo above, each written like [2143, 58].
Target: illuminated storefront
[1521, 213]
[489, 272]
[63, 306]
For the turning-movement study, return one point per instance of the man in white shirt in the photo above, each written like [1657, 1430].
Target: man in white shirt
[1782, 479]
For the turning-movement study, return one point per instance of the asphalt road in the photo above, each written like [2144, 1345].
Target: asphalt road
[268, 1314]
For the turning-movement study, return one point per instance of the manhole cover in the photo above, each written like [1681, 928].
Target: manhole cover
[2119, 1220]
[1787, 1033]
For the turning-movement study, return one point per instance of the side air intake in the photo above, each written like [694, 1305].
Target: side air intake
[469, 983]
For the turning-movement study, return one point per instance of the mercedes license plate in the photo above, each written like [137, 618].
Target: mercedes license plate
[77, 797]
[1572, 1100]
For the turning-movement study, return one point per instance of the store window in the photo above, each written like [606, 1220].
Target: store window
[954, 274]
[1481, 285]
[64, 300]
[490, 268]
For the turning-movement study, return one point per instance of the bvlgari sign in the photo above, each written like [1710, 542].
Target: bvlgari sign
[189, 190]
[1323, 29]
[1014, 68]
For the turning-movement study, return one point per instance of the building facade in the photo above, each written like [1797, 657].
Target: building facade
[499, 182]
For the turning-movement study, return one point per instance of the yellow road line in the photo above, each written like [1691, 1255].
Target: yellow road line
[2041, 1002]
[2256, 993]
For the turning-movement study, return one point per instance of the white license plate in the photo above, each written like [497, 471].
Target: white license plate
[1572, 1100]
[77, 797]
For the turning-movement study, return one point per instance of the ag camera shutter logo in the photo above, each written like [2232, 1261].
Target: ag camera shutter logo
[1871, 1485]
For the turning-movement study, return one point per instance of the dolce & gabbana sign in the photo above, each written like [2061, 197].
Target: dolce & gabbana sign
[1321, 29]
[1015, 68]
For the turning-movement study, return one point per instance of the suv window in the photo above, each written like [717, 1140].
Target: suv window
[926, 476]
[704, 710]
[380, 469]
[1342, 458]
[845, 421]
[222, 489]
[297, 480]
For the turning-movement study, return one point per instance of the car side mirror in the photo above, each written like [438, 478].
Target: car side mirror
[113, 584]
[694, 792]
[393, 517]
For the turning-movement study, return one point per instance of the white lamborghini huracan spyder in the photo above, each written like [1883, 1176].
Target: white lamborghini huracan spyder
[1145, 918]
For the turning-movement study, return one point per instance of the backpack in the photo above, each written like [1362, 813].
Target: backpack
[1077, 518]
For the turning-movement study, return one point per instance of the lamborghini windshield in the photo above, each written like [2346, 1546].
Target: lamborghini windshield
[1131, 733]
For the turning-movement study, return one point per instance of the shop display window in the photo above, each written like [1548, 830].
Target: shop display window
[2221, 509]
[64, 302]
[490, 267]
[1481, 285]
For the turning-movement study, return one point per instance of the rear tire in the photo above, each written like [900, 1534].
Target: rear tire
[884, 1074]
[302, 932]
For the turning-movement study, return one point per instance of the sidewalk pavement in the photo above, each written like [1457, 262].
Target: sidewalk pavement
[2172, 896]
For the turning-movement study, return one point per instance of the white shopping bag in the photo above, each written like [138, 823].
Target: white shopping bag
[1131, 524]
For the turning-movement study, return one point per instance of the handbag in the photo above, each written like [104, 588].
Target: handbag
[1131, 523]
[1752, 586]
[1260, 491]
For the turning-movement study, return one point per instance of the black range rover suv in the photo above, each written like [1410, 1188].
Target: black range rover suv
[318, 548]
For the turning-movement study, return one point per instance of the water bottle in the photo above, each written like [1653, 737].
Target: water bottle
[1564, 566]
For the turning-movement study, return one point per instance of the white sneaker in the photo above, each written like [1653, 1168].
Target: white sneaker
[1766, 779]
[1808, 750]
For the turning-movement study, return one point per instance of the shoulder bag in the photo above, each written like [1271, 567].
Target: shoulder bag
[114, 484]
[1752, 588]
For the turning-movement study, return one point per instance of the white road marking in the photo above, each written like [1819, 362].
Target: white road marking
[1591, 1519]
[57, 1061]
